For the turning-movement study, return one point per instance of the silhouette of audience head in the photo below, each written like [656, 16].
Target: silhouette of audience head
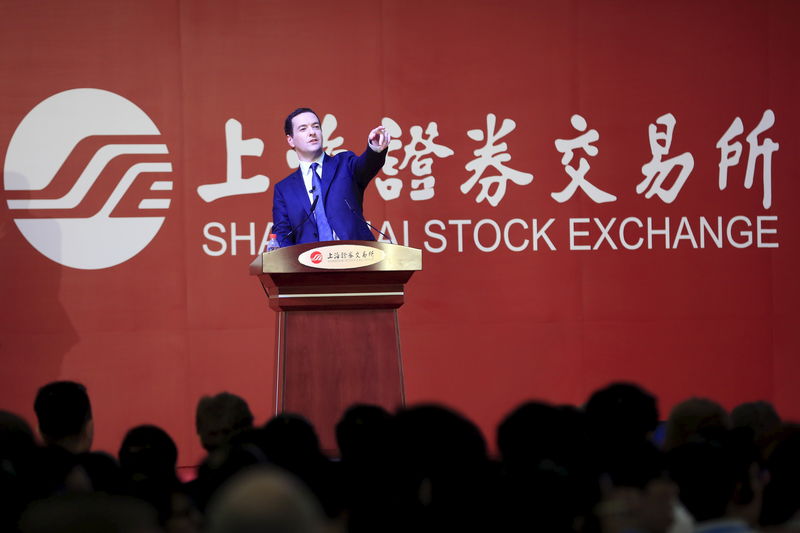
[148, 458]
[437, 438]
[622, 412]
[719, 477]
[290, 442]
[64, 415]
[761, 419]
[148, 453]
[693, 418]
[264, 499]
[17, 466]
[537, 431]
[363, 432]
[444, 469]
[549, 478]
[781, 502]
[290, 439]
[220, 417]
[16, 436]
[368, 447]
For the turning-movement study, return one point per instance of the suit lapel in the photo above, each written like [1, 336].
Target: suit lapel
[299, 191]
[328, 174]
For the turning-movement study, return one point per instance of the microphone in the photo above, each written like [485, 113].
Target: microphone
[359, 215]
[308, 215]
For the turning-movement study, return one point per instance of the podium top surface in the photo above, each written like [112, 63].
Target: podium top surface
[338, 256]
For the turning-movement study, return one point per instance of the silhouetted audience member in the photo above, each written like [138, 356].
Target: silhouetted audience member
[621, 412]
[368, 449]
[220, 417]
[549, 478]
[17, 468]
[148, 453]
[695, 418]
[760, 418]
[59, 472]
[64, 414]
[262, 500]
[148, 458]
[245, 449]
[641, 485]
[363, 432]
[16, 437]
[781, 509]
[537, 431]
[89, 513]
[290, 442]
[103, 471]
[719, 481]
[446, 478]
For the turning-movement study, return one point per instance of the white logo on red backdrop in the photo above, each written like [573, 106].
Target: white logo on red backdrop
[316, 257]
[75, 215]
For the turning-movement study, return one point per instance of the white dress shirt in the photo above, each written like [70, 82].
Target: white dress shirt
[305, 170]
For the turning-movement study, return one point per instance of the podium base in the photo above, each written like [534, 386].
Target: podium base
[329, 360]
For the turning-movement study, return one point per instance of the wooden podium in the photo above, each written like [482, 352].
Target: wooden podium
[337, 336]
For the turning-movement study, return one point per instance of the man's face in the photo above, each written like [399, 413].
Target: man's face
[306, 136]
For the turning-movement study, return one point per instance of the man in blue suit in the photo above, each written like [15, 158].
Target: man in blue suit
[333, 186]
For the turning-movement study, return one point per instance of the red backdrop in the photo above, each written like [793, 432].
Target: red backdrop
[498, 315]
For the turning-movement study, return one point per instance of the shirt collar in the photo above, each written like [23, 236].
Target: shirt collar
[306, 165]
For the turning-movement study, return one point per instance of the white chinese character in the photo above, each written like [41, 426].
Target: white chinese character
[390, 188]
[329, 144]
[732, 152]
[578, 175]
[656, 171]
[421, 166]
[236, 149]
[494, 155]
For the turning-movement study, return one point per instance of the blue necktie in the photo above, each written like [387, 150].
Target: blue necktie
[324, 229]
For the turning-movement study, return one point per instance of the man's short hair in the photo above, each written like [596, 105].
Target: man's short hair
[62, 409]
[622, 411]
[287, 125]
[220, 417]
[695, 417]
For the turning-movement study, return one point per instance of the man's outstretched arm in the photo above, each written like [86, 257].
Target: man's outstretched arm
[368, 164]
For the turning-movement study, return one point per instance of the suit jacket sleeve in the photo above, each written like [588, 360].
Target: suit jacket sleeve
[367, 165]
[281, 226]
